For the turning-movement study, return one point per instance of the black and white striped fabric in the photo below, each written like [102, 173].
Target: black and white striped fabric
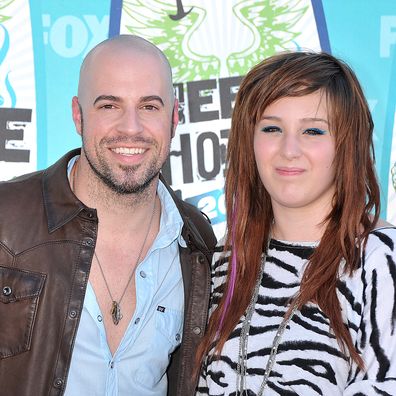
[309, 360]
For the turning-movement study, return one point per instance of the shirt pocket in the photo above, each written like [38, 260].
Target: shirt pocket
[19, 294]
[169, 324]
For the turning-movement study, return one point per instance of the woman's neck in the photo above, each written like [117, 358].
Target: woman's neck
[298, 224]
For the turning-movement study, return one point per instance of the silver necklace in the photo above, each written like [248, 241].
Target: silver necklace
[116, 305]
[244, 337]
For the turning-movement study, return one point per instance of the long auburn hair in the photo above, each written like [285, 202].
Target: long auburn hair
[248, 204]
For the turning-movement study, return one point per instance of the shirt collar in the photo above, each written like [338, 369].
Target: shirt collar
[171, 222]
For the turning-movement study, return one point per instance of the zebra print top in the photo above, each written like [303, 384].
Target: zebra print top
[309, 360]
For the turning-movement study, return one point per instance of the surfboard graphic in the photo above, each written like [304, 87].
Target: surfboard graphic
[18, 148]
[211, 45]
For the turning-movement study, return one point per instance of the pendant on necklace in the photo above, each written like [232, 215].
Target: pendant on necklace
[116, 312]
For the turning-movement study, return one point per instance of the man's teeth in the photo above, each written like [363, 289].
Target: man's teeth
[127, 150]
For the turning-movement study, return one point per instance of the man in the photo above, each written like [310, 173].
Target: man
[99, 260]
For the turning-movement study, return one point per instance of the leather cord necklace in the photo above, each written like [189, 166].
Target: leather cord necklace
[116, 305]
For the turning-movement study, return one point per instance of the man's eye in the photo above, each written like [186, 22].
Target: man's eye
[314, 131]
[270, 129]
[108, 106]
[150, 107]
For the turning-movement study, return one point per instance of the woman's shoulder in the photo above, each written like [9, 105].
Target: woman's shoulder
[381, 247]
[383, 234]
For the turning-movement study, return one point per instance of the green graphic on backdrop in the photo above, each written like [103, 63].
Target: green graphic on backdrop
[150, 19]
[270, 23]
[4, 4]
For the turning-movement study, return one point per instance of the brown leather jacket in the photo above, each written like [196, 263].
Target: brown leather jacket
[47, 240]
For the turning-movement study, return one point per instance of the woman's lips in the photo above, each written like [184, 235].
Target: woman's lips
[284, 171]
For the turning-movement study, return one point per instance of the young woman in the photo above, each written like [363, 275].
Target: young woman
[304, 288]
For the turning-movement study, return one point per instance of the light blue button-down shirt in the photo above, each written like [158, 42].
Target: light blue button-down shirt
[138, 367]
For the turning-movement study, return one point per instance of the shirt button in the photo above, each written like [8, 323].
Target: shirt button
[7, 290]
[143, 274]
[99, 317]
[201, 259]
[137, 321]
[177, 337]
[197, 330]
[58, 382]
[111, 364]
[73, 314]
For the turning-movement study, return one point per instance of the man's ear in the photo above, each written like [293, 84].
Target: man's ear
[175, 117]
[77, 116]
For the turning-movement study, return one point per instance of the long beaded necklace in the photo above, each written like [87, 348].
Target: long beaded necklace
[244, 336]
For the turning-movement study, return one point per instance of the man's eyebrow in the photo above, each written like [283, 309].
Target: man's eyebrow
[150, 98]
[107, 97]
[143, 99]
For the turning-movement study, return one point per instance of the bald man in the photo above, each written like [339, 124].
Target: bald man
[104, 272]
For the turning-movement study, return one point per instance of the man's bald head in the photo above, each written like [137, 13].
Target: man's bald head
[125, 112]
[124, 44]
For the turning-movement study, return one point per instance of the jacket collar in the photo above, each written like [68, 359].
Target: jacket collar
[60, 204]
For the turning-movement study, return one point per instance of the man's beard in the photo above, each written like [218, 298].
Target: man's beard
[131, 184]
[104, 173]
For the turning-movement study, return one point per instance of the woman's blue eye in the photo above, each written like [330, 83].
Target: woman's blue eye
[314, 131]
[270, 128]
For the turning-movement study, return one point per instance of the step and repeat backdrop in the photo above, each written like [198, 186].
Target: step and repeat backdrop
[211, 44]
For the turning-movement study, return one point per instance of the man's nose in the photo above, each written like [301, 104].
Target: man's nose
[130, 121]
